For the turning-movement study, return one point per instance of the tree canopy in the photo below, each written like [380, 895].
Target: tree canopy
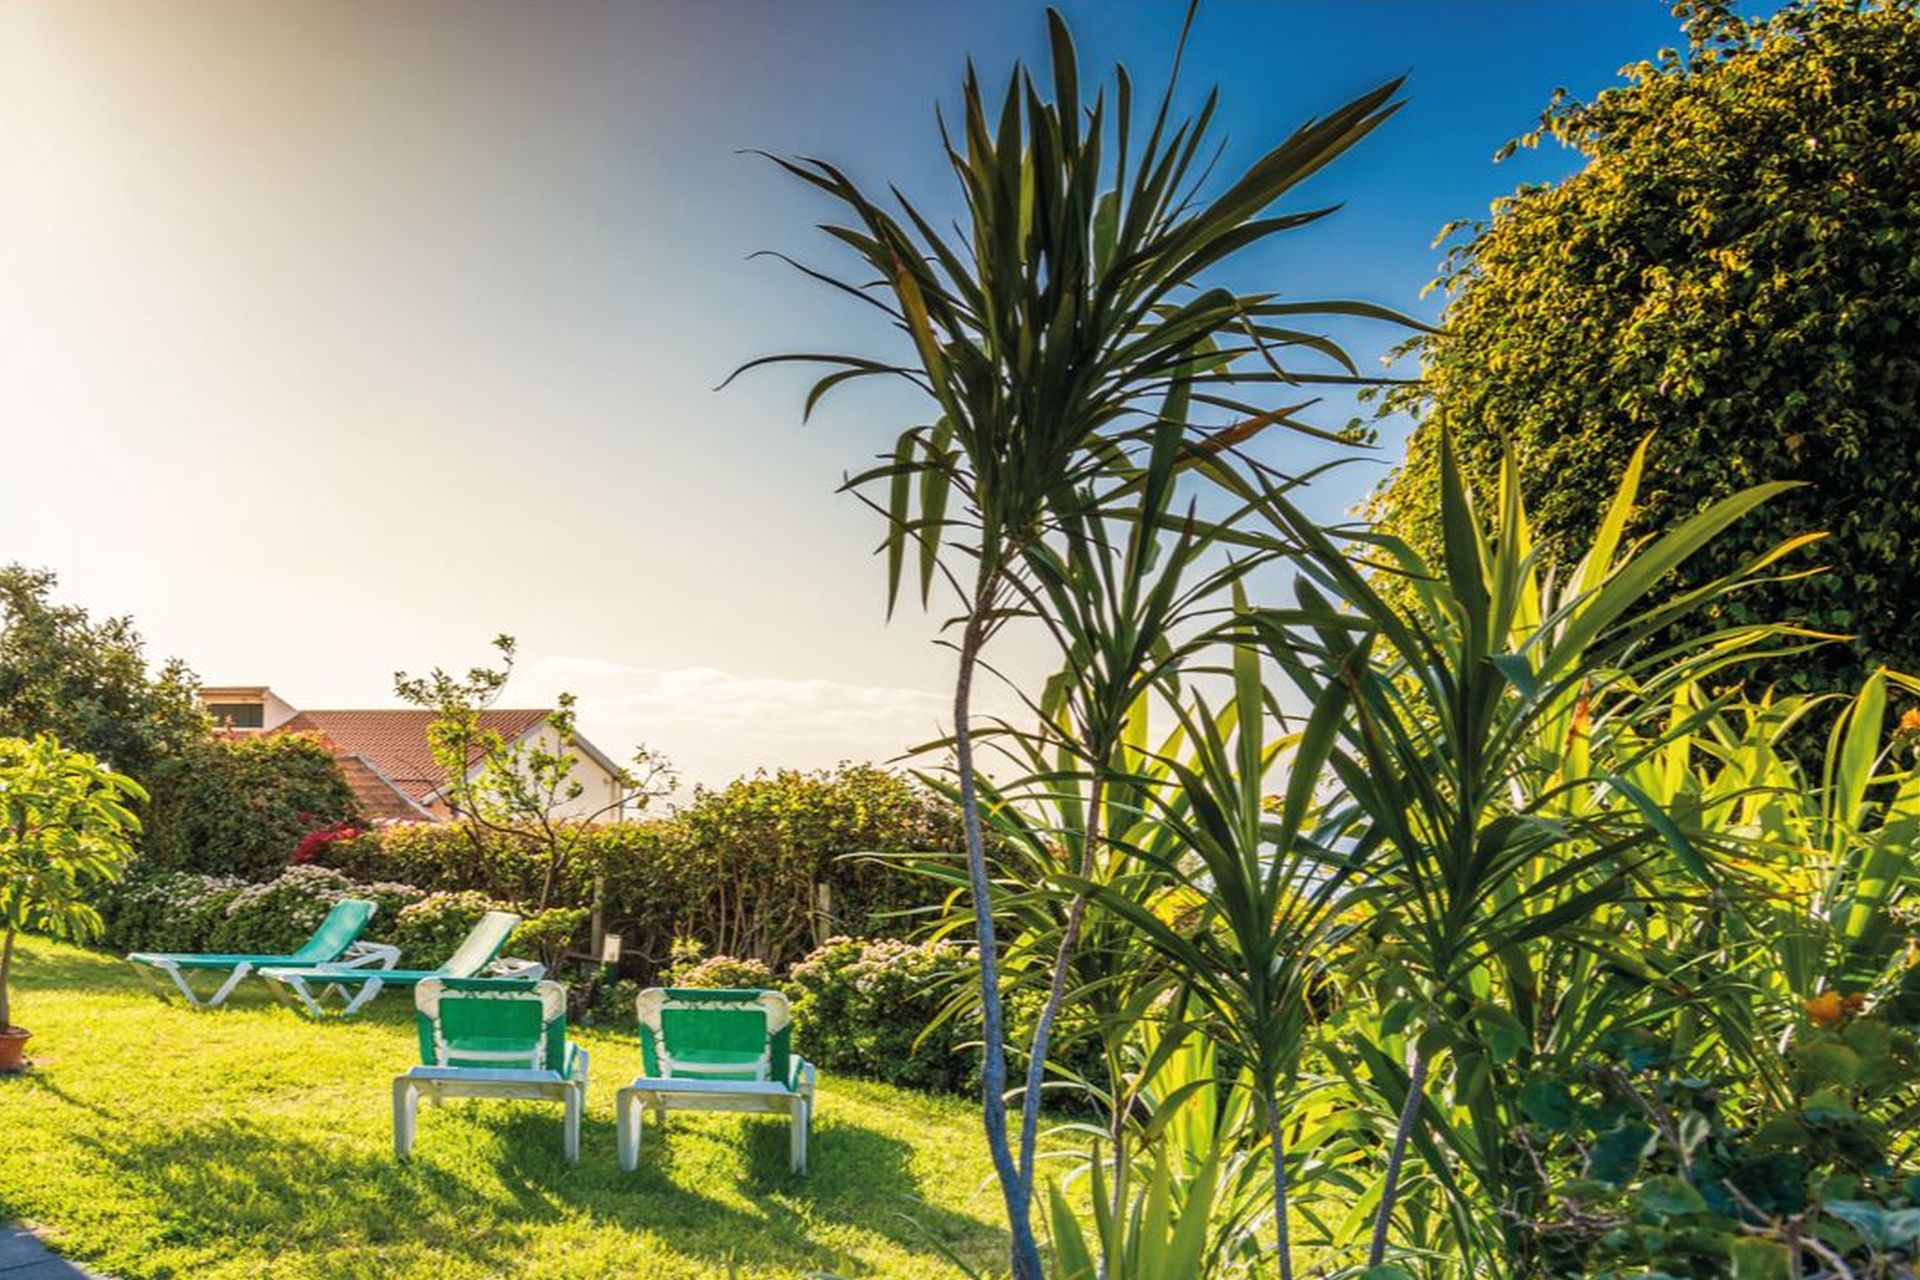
[87, 682]
[1735, 270]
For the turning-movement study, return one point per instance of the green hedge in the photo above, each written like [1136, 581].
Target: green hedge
[756, 869]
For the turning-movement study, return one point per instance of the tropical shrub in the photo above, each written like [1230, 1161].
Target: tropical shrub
[1736, 266]
[1659, 1171]
[881, 1008]
[243, 806]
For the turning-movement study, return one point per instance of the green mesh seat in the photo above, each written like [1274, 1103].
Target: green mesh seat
[309, 987]
[336, 942]
[716, 1050]
[491, 1038]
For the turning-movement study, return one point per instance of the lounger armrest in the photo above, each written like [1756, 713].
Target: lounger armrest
[508, 967]
[576, 1062]
[370, 955]
[800, 1077]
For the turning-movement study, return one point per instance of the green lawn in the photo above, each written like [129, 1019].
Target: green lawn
[152, 1141]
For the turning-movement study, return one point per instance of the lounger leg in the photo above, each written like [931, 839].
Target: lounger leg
[179, 982]
[626, 1129]
[798, 1113]
[576, 1103]
[406, 1101]
[240, 971]
[367, 992]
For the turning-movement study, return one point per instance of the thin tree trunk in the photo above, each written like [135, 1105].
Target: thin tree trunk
[993, 1067]
[1277, 1144]
[1056, 993]
[6, 972]
[1390, 1189]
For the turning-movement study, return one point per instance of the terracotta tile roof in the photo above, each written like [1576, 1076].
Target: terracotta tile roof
[379, 799]
[391, 747]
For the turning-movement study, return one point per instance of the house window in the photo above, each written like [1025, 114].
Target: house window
[238, 715]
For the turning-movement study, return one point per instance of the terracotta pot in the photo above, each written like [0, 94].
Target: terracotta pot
[13, 1048]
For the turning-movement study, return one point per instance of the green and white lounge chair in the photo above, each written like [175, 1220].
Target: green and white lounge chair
[716, 1050]
[488, 1038]
[477, 956]
[336, 942]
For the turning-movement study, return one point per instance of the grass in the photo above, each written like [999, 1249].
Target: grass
[152, 1141]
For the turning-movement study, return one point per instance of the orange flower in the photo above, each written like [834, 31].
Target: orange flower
[1910, 720]
[1826, 1009]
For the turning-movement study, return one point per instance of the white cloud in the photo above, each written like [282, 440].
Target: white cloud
[719, 724]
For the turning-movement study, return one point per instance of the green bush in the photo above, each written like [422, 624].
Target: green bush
[431, 930]
[239, 806]
[875, 1008]
[1736, 269]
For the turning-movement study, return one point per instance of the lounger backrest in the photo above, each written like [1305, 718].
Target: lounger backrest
[482, 1022]
[482, 945]
[340, 930]
[700, 1034]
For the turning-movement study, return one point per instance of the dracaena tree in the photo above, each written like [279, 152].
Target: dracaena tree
[1066, 321]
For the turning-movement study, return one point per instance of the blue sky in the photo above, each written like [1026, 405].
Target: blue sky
[336, 338]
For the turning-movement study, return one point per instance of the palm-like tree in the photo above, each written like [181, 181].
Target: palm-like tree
[1057, 333]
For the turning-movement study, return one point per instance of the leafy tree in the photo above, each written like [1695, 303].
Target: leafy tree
[517, 790]
[1738, 266]
[65, 826]
[87, 682]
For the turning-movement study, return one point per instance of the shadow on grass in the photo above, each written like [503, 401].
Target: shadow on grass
[39, 966]
[245, 1189]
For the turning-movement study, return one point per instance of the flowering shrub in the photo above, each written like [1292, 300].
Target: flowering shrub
[723, 971]
[878, 1008]
[165, 910]
[316, 841]
[431, 929]
[157, 910]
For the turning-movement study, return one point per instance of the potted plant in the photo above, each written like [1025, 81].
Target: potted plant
[65, 827]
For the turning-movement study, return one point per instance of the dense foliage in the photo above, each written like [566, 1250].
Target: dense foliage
[87, 682]
[66, 828]
[1735, 269]
[243, 805]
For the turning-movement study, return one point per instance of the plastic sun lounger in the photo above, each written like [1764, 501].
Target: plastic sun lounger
[308, 987]
[491, 1038]
[336, 942]
[716, 1050]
